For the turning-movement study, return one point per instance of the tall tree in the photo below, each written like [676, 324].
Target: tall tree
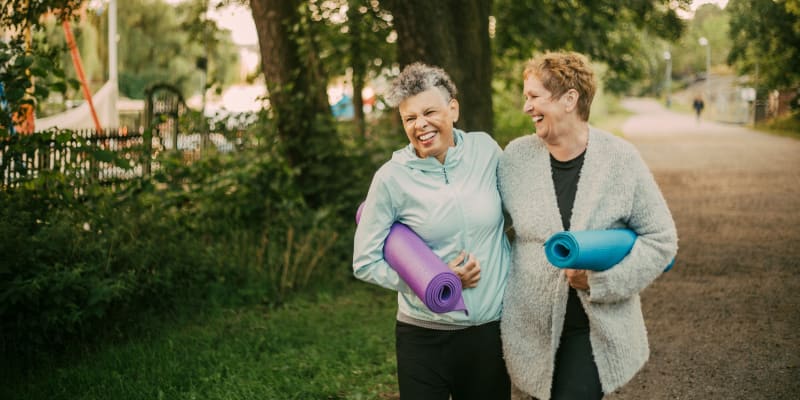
[712, 23]
[353, 40]
[606, 30]
[368, 26]
[298, 97]
[453, 34]
[358, 67]
[766, 39]
[160, 43]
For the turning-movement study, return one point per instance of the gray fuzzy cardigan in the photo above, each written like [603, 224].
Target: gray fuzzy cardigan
[615, 189]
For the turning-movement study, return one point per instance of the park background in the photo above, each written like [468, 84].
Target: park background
[224, 272]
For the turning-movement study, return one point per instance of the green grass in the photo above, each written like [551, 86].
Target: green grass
[788, 125]
[321, 346]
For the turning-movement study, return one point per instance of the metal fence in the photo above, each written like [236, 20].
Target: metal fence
[110, 155]
[89, 155]
[103, 157]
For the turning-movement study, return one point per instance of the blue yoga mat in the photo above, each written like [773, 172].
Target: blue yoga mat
[596, 250]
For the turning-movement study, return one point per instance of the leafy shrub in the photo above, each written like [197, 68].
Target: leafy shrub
[48, 280]
[228, 228]
[233, 228]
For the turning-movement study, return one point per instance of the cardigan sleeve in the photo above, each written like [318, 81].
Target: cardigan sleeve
[655, 247]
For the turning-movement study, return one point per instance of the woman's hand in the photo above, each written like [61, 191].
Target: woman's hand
[577, 278]
[470, 272]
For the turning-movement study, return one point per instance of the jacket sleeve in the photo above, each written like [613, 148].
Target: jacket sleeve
[654, 249]
[377, 217]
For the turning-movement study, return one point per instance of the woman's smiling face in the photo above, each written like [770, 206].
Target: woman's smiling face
[428, 119]
[544, 110]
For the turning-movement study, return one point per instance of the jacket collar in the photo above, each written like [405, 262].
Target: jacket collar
[408, 157]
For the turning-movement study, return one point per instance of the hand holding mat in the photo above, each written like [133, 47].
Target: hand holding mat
[596, 250]
[421, 269]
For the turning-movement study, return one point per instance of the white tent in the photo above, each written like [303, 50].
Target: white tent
[105, 103]
[105, 100]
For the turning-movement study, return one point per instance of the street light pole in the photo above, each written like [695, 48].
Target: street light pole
[113, 64]
[704, 42]
[668, 77]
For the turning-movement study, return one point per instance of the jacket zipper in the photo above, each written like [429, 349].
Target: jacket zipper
[461, 211]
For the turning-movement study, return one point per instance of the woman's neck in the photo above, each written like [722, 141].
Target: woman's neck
[571, 144]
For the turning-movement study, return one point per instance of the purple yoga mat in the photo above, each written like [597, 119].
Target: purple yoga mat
[421, 269]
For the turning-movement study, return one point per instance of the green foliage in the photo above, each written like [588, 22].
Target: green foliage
[687, 56]
[55, 275]
[606, 31]
[787, 125]
[249, 210]
[155, 46]
[353, 35]
[712, 23]
[20, 14]
[47, 286]
[157, 43]
[510, 121]
[207, 40]
[161, 43]
[22, 73]
[233, 228]
[766, 41]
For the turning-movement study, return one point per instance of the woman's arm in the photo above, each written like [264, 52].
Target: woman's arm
[377, 218]
[655, 247]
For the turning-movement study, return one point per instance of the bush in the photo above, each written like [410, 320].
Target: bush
[785, 125]
[230, 228]
[49, 282]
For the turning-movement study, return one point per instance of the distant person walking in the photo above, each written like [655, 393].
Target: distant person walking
[698, 106]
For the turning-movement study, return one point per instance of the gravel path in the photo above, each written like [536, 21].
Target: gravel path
[725, 322]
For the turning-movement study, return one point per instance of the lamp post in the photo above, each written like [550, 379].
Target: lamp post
[668, 77]
[704, 42]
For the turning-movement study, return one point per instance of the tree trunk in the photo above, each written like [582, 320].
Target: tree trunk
[454, 35]
[357, 64]
[297, 94]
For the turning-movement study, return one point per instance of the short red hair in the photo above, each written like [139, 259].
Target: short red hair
[562, 71]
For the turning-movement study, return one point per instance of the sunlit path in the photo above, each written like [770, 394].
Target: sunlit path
[723, 324]
[671, 140]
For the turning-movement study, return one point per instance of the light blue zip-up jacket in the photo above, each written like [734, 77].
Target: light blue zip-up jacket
[453, 206]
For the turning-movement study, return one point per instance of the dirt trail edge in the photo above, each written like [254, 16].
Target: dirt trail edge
[725, 322]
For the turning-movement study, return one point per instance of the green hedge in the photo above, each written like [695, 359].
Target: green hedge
[229, 228]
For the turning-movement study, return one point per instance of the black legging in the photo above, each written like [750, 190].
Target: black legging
[575, 376]
[467, 363]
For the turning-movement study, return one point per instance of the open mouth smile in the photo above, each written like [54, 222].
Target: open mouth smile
[427, 136]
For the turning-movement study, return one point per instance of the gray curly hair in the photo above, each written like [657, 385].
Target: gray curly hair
[417, 78]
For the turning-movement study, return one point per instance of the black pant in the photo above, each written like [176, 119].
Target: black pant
[467, 363]
[575, 376]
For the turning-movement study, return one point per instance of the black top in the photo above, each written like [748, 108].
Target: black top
[565, 179]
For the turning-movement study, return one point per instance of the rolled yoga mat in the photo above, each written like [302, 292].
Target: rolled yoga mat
[596, 250]
[421, 269]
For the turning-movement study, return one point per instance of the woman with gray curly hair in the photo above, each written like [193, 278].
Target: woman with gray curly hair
[442, 185]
